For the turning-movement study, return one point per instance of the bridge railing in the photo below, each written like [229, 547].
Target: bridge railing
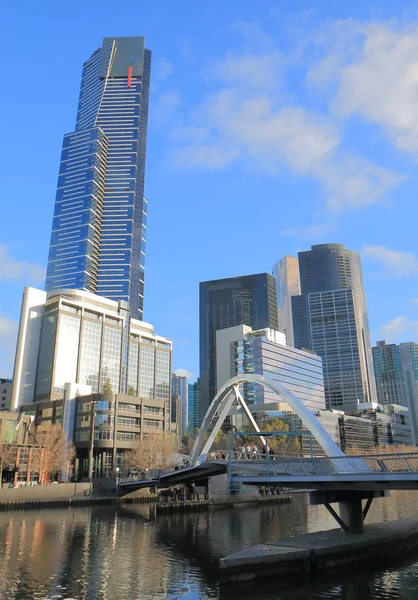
[327, 466]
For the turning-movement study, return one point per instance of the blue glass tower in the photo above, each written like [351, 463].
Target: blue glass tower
[99, 225]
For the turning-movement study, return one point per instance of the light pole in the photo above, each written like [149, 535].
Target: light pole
[93, 410]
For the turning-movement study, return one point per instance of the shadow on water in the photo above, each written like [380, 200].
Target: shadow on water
[394, 579]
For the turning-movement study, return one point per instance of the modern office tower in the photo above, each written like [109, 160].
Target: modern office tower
[193, 408]
[73, 336]
[264, 352]
[179, 389]
[5, 394]
[248, 300]
[396, 372]
[330, 318]
[286, 273]
[99, 224]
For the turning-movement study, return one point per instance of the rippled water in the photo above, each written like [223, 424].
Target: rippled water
[126, 553]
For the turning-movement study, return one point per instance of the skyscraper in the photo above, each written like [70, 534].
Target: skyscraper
[193, 408]
[179, 389]
[330, 318]
[396, 372]
[99, 224]
[286, 272]
[248, 300]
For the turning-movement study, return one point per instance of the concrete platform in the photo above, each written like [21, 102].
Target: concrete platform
[319, 551]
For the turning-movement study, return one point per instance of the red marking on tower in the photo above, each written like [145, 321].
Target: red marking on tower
[129, 76]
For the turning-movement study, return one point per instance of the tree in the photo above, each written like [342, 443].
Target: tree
[186, 444]
[131, 391]
[106, 387]
[152, 452]
[281, 443]
[53, 452]
[7, 458]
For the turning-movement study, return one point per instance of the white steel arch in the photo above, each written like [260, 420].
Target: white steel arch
[224, 400]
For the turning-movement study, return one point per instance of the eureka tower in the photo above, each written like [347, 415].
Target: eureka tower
[99, 224]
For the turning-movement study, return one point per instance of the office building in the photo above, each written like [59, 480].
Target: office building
[5, 394]
[193, 408]
[286, 273]
[99, 223]
[248, 300]
[264, 352]
[73, 336]
[396, 372]
[330, 318]
[179, 389]
[109, 424]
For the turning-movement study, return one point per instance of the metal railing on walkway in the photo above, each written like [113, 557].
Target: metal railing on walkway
[323, 466]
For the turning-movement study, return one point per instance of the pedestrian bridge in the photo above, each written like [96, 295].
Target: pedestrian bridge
[368, 472]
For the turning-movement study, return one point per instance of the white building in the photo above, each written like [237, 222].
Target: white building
[242, 350]
[73, 336]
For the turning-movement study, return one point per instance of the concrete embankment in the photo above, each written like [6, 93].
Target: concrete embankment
[64, 494]
[319, 551]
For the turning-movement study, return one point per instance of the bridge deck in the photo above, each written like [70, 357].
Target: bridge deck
[380, 471]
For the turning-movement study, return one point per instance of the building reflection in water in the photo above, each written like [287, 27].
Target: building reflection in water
[107, 554]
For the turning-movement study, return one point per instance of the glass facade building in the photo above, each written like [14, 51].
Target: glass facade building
[249, 300]
[180, 390]
[99, 224]
[193, 408]
[330, 318]
[81, 340]
[286, 273]
[396, 372]
[298, 371]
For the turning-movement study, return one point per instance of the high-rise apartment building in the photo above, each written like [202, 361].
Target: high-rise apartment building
[99, 224]
[330, 318]
[248, 300]
[286, 272]
[396, 372]
[5, 393]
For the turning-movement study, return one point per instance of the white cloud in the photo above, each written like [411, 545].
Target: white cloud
[166, 105]
[414, 301]
[248, 119]
[394, 262]
[311, 232]
[375, 68]
[15, 270]
[399, 329]
[183, 373]
[8, 336]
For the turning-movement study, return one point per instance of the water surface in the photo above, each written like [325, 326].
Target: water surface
[127, 553]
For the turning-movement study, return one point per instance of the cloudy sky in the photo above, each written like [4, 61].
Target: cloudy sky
[273, 126]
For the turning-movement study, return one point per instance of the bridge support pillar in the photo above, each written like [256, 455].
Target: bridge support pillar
[352, 514]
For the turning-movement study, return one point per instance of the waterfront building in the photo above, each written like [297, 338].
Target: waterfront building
[396, 372]
[248, 300]
[286, 273]
[5, 394]
[73, 336]
[330, 318]
[106, 423]
[99, 223]
[193, 408]
[179, 389]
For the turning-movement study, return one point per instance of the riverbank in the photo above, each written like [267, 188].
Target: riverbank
[319, 551]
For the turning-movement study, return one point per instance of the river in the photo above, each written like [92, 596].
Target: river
[125, 553]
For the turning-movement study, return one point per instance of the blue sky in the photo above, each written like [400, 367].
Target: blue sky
[273, 125]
